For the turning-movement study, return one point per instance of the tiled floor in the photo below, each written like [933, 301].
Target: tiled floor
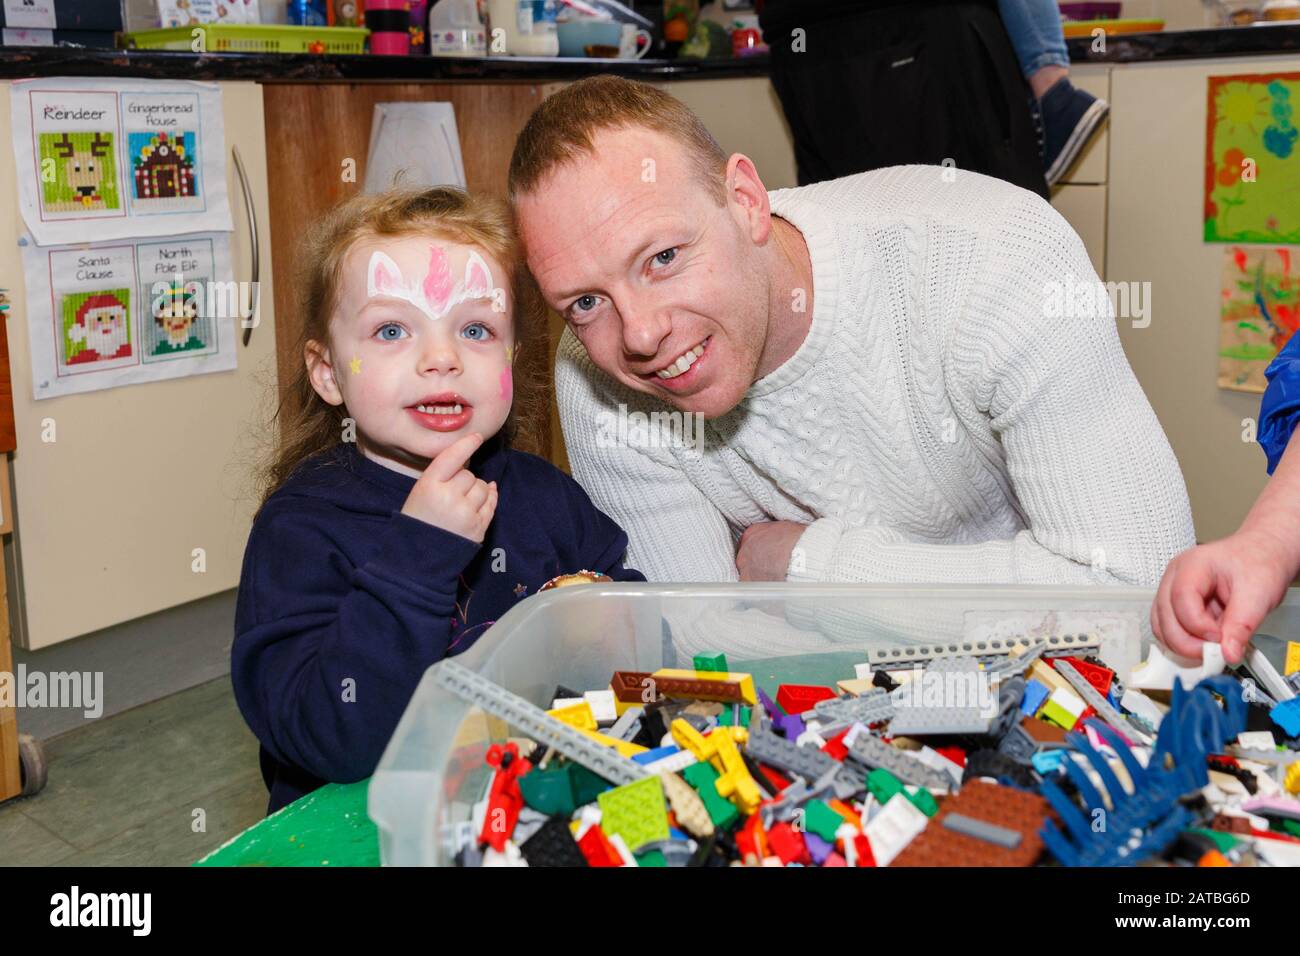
[126, 789]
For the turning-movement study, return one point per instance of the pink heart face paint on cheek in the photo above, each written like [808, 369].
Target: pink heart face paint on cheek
[507, 384]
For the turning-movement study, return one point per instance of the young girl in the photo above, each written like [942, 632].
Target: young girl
[398, 525]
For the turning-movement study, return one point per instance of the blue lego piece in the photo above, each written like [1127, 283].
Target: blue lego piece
[1035, 693]
[650, 756]
[1143, 823]
[1046, 761]
[1287, 716]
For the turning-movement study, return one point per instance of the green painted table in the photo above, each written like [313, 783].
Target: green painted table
[327, 827]
[330, 827]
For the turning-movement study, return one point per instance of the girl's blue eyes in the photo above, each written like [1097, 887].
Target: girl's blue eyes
[392, 332]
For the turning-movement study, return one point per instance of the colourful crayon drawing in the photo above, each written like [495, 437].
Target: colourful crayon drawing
[1257, 312]
[78, 172]
[96, 326]
[1252, 159]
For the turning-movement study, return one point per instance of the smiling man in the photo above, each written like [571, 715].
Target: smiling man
[888, 394]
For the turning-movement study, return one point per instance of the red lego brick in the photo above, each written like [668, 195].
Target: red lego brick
[777, 781]
[797, 698]
[835, 746]
[955, 754]
[1098, 677]
[597, 848]
[788, 843]
[504, 799]
[863, 846]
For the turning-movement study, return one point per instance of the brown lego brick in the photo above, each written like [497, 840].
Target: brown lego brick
[1016, 810]
[1042, 731]
[628, 686]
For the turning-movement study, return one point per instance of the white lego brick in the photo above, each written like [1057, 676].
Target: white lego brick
[673, 763]
[1256, 740]
[602, 705]
[567, 702]
[893, 828]
[1069, 700]
[511, 856]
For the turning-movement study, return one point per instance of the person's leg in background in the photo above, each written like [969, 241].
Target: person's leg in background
[1070, 116]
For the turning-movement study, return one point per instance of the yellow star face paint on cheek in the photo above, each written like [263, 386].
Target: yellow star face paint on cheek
[355, 365]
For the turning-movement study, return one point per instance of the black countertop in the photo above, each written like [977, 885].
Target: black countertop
[20, 62]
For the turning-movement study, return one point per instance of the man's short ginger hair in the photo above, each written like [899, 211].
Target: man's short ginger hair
[563, 128]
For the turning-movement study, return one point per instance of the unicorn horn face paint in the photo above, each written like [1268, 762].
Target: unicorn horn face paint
[423, 318]
[435, 293]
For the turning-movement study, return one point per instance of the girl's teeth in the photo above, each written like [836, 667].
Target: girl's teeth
[683, 363]
[439, 409]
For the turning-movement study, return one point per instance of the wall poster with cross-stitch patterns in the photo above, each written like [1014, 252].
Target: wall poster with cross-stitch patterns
[137, 158]
[107, 314]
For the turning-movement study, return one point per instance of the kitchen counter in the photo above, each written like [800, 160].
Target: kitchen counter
[19, 62]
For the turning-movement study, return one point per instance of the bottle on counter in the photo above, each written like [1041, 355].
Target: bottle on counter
[522, 28]
[457, 29]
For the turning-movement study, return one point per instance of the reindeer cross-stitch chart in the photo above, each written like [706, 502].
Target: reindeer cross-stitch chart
[78, 172]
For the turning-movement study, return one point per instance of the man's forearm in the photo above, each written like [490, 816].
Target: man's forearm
[1276, 512]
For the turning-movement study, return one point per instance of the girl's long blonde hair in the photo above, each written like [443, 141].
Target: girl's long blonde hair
[308, 424]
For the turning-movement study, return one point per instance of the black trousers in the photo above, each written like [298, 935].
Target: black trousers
[925, 84]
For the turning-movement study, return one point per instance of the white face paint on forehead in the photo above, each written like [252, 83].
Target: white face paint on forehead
[435, 294]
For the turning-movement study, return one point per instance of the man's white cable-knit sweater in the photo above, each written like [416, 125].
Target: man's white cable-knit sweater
[940, 422]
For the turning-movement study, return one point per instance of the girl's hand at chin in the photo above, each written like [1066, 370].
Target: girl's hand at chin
[449, 496]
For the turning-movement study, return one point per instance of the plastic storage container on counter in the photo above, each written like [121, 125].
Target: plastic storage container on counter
[433, 771]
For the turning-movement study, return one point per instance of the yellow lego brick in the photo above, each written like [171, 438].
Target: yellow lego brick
[745, 682]
[1056, 714]
[1292, 658]
[620, 705]
[624, 747]
[575, 715]
[701, 747]
[735, 782]
[1292, 780]
[1046, 675]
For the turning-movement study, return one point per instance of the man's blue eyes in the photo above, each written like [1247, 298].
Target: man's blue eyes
[586, 303]
[392, 332]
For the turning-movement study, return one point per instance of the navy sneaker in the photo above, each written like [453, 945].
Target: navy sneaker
[1070, 119]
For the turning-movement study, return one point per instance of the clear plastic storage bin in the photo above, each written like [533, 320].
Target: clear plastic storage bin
[433, 771]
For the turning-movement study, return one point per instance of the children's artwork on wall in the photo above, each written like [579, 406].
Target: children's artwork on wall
[116, 313]
[135, 157]
[1252, 159]
[1257, 312]
[186, 298]
[95, 327]
[162, 169]
[79, 174]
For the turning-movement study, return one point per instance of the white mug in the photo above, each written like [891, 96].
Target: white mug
[627, 42]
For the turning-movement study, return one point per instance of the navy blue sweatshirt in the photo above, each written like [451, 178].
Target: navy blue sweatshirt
[344, 601]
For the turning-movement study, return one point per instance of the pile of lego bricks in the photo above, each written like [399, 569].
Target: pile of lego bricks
[1028, 754]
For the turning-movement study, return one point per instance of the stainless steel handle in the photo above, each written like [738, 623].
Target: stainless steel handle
[249, 320]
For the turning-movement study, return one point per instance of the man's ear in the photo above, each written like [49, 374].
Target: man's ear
[746, 190]
[320, 370]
